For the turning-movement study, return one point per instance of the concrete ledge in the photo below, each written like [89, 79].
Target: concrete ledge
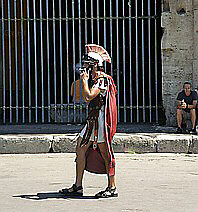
[24, 144]
[64, 143]
[123, 142]
[194, 146]
[173, 143]
[134, 143]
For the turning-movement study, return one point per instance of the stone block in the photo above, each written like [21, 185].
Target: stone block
[24, 144]
[179, 23]
[173, 143]
[66, 143]
[134, 143]
[194, 148]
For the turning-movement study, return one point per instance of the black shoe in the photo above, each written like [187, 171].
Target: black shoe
[193, 131]
[73, 191]
[179, 130]
[108, 192]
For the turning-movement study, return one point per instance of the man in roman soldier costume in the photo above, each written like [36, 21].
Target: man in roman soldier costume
[94, 150]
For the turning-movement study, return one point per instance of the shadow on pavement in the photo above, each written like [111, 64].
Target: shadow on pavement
[48, 195]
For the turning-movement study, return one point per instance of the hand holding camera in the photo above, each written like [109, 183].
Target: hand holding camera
[84, 75]
[183, 104]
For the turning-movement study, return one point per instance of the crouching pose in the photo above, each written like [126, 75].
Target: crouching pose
[187, 101]
[94, 151]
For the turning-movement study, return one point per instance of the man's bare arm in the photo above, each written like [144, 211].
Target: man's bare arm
[90, 94]
[193, 106]
[183, 105]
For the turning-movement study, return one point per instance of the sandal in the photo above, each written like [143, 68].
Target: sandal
[73, 191]
[108, 192]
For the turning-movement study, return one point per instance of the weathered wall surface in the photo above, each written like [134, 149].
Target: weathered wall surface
[195, 62]
[179, 51]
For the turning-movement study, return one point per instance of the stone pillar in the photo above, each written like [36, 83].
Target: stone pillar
[195, 61]
[177, 52]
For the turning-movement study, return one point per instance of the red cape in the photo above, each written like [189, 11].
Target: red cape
[95, 162]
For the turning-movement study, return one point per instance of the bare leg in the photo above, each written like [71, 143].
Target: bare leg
[179, 117]
[80, 161]
[193, 117]
[184, 115]
[105, 155]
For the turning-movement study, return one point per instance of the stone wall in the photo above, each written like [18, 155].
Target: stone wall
[195, 62]
[179, 51]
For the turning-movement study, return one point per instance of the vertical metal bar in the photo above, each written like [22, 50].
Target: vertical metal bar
[16, 63]
[149, 56]
[67, 48]
[111, 37]
[130, 68]
[105, 31]
[118, 74]
[136, 37]
[35, 63]
[29, 64]
[80, 56]
[10, 61]
[156, 66]
[92, 21]
[143, 61]
[48, 63]
[3, 54]
[54, 42]
[123, 45]
[98, 26]
[23, 71]
[85, 21]
[86, 40]
[73, 24]
[61, 63]
[42, 79]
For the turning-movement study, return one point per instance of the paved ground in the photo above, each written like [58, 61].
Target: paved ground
[146, 183]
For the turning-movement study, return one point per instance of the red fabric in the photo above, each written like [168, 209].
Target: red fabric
[111, 121]
[94, 163]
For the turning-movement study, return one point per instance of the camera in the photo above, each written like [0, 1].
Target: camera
[80, 68]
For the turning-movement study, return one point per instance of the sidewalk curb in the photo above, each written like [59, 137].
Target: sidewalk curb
[10, 144]
[122, 143]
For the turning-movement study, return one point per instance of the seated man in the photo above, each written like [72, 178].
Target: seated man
[187, 101]
[196, 90]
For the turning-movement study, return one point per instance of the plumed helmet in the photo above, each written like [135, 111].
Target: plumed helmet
[96, 58]
[97, 54]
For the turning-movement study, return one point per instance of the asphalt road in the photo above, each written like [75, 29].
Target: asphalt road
[145, 182]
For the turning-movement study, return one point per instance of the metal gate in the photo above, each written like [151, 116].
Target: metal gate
[42, 40]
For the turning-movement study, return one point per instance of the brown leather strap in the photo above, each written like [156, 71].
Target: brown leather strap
[95, 134]
[88, 132]
[92, 120]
